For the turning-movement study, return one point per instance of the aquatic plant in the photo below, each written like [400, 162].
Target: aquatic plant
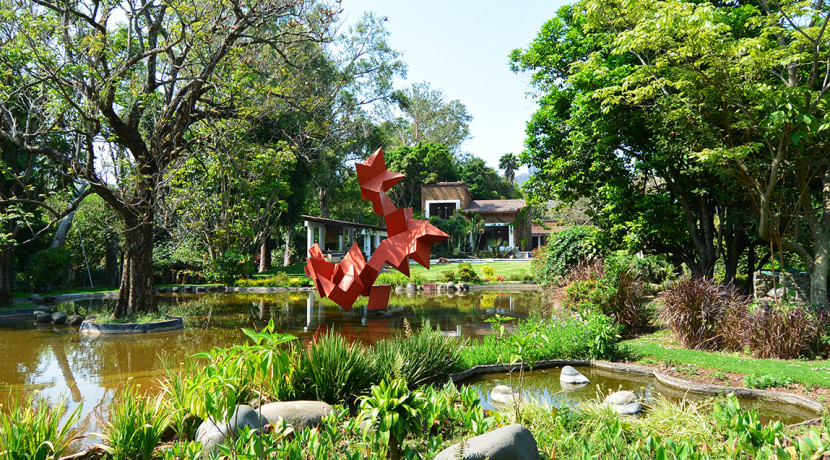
[418, 357]
[33, 430]
[332, 370]
[136, 424]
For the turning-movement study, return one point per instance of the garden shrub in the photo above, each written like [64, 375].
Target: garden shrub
[396, 278]
[281, 279]
[466, 274]
[784, 331]
[229, 266]
[565, 251]
[694, 310]
[448, 276]
[48, 269]
[489, 272]
[609, 288]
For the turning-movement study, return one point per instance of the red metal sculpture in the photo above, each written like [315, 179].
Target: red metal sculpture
[407, 238]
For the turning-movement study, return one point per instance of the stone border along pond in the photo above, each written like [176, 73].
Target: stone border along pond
[685, 385]
[169, 324]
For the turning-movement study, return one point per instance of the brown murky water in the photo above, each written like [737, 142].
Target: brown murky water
[544, 385]
[57, 362]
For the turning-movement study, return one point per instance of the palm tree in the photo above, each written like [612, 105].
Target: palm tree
[509, 163]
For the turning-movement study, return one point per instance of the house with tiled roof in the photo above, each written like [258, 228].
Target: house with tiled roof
[507, 220]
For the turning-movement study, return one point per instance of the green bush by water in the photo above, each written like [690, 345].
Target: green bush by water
[332, 370]
[281, 279]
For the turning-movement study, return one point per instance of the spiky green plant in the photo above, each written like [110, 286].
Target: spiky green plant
[33, 430]
[136, 424]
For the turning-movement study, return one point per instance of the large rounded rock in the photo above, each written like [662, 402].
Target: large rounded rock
[450, 286]
[502, 394]
[59, 317]
[572, 376]
[201, 289]
[74, 320]
[624, 403]
[43, 308]
[211, 434]
[43, 317]
[512, 442]
[298, 414]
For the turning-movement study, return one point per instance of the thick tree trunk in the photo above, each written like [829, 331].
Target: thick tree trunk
[265, 254]
[137, 294]
[818, 274]
[286, 257]
[112, 275]
[6, 297]
[323, 194]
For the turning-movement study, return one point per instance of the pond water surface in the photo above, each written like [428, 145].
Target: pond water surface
[544, 385]
[58, 362]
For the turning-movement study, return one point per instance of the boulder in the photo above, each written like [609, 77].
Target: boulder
[502, 394]
[400, 289]
[43, 317]
[776, 293]
[463, 287]
[213, 288]
[624, 403]
[298, 414]
[59, 317]
[176, 289]
[211, 434]
[512, 442]
[201, 290]
[572, 376]
[42, 308]
[411, 287]
[450, 286]
[74, 320]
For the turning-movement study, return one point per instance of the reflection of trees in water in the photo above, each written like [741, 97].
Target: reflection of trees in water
[22, 354]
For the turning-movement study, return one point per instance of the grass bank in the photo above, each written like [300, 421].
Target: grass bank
[661, 347]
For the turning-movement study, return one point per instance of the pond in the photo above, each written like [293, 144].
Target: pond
[60, 363]
[543, 384]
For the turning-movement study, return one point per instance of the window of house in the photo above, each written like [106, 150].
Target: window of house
[442, 210]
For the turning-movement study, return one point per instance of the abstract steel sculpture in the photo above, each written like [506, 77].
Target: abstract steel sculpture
[407, 237]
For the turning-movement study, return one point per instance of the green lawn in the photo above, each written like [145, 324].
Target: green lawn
[291, 270]
[660, 347]
[505, 269]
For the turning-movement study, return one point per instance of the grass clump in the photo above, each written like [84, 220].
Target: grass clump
[332, 370]
[766, 381]
[396, 278]
[280, 279]
[34, 431]
[136, 424]
[594, 336]
[419, 358]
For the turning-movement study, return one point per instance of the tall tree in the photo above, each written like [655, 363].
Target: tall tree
[483, 181]
[422, 114]
[633, 162]
[758, 73]
[509, 163]
[425, 163]
[135, 77]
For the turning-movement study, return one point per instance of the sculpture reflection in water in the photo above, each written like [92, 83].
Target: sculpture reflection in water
[407, 238]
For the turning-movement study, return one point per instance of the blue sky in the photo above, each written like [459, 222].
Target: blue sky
[462, 47]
